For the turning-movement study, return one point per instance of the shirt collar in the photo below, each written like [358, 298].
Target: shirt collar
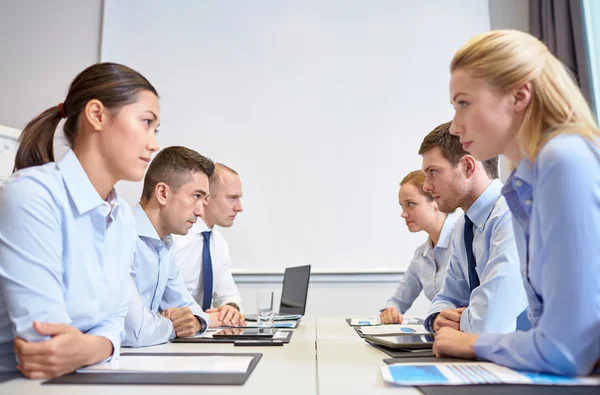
[523, 174]
[199, 227]
[524, 171]
[145, 228]
[446, 232]
[481, 209]
[447, 227]
[82, 192]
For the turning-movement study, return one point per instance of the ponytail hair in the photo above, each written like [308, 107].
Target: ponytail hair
[36, 145]
[112, 84]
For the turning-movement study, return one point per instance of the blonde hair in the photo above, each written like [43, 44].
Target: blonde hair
[506, 59]
[417, 178]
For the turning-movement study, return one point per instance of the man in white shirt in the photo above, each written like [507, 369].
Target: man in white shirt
[207, 272]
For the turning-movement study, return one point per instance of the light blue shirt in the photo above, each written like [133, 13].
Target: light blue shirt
[156, 285]
[65, 255]
[427, 269]
[556, 210]
[500, 298]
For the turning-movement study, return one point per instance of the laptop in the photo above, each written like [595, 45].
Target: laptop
[293, 294]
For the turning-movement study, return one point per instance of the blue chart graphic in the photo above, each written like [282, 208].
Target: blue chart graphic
[417, 374]
[407, 330]
[539, 378]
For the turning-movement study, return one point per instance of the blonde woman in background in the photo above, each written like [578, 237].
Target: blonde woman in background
[513, 97]
[427, 269]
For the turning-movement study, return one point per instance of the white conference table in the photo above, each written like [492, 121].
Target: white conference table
[346, 364]
[325, 356]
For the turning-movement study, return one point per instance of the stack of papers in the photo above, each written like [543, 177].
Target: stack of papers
[375, 321]
[393, 330]
[471, 373]
[172, 364]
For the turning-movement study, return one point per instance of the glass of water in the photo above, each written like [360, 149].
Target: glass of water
[264, 303]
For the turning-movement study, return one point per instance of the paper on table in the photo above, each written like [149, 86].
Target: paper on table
[375, 321]
[398, 329]
[364, 321]
[172, 364]
[470, 373]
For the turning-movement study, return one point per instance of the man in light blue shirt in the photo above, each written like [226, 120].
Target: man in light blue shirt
[161, 308]
[483, 291]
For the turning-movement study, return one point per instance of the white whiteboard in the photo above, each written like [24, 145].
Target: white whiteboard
[9, 138]
[319, 105]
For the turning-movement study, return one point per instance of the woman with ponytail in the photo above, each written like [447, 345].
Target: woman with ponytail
[66, 239]
[513, 97]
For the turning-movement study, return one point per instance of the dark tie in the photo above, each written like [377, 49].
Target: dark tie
[207, 273]
[473, 277]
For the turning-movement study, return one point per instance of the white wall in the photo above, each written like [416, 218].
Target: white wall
[508, 14]
[38, 64]
[320, 105]
[44, 44]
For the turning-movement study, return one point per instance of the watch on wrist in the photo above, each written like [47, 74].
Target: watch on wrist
[233, 305]
[202, 324]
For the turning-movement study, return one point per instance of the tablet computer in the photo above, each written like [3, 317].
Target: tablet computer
[406, 342]
[245, 333]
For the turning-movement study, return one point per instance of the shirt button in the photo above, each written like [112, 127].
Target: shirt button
[518, 183]
[528, 202]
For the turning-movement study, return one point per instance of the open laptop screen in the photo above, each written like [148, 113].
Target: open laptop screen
[295, 290]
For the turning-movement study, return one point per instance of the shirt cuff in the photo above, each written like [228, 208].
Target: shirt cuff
[203, 324]
[428, 324]
[116, 343]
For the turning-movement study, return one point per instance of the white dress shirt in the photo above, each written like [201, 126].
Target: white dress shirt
[427, 269]
[188, 250]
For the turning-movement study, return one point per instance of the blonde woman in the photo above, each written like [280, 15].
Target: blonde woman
[513, 97]
[427, 269]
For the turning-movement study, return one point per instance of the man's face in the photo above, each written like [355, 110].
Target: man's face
[186, 204]
[443, 181]
[226, 202]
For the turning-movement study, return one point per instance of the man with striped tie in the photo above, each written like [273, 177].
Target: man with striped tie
[203, 254]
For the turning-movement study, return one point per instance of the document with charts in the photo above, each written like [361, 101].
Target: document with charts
[414, 374]
[371, 321]
[172, 364]
[393, 330]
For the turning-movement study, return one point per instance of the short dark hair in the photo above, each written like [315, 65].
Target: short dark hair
[452, 150]
[173, 166]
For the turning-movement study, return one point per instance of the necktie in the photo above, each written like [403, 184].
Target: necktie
[207, 273]
[473, 277]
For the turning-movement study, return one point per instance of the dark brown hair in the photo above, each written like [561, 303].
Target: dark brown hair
[174, 166]
[452, 150]
[113, 84]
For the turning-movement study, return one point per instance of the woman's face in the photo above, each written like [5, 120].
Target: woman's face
[418, 211]
[129, 140]
[484, 120]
